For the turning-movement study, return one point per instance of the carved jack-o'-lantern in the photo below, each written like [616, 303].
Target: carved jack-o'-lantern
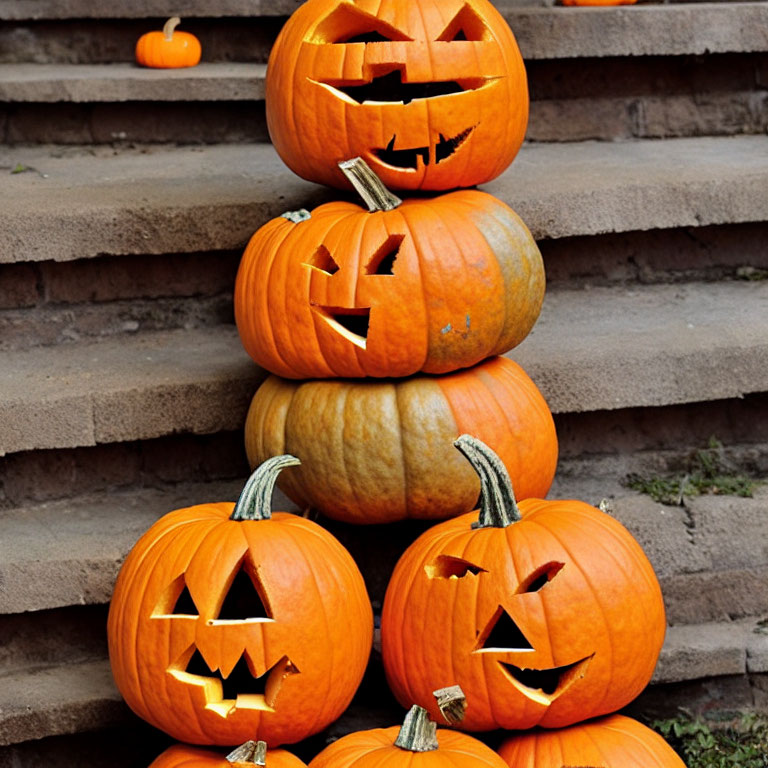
[545, 614]
[609, 742]
[225, 624]
[427, 285]
[431, 93]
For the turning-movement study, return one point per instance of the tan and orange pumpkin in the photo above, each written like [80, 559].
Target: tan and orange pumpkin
[546, 613]
[227, 620]
[430, 285]
[431, 93]
[376, 452]
[609, 742]
[168, 49]
[417, 744]
[246, 756]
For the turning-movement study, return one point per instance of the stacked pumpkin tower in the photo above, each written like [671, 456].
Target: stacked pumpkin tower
[382, 327]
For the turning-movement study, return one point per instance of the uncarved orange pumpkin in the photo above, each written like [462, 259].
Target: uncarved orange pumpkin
[376, 452]
[431, 93]
[226, 622]
[609, 742]
[168, 49]
[418, 744]
[431, 285]
[247, 756]
[546, 613]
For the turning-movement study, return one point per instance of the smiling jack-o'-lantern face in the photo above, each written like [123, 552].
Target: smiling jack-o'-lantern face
[432, 285]
[221, 627]
[545, 614]
[431, 93]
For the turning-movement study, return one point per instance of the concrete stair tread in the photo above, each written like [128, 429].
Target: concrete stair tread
[591, 350]
[77, 697]
[48, 83]
[542, 32]
[183, 199]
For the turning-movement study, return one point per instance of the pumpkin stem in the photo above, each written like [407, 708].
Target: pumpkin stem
[169, 26]
[296, 216]
[452, 703]
[368, 185]
[255, 502]
[498, 507]
[250, 753]
[418, 732]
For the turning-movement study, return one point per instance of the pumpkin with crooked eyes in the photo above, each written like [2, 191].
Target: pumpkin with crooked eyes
[431, 93]
[427, 285]
[609, 742]
[226, 622]
[545, 614]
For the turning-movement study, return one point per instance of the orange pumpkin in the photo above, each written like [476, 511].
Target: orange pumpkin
[168, 49]
[610, 742]
[431, 93]
[431, 285]
[226, 621]
[376, 452]
[545, 614]
[598, 2]
[418, 744]
[249, 754]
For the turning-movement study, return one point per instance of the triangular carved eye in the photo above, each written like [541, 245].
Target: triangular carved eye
[466, 25]
[176, 600]
[322, 260]
[383, 260]
[244, 600]
[349, 24]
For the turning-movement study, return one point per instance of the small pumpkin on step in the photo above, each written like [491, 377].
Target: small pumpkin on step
[168, 49]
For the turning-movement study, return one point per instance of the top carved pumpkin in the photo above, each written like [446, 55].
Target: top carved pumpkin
[431, 93]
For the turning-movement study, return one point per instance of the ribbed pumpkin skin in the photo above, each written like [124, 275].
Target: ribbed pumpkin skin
[611, 742]
[326, 634]
[182, 756]
[467, 283]
[604, 601]
[375, 749]
[314, 126]
[376, 452]
[153, 50]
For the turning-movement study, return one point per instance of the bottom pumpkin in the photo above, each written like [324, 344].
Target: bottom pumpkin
[250, 754]
[381, 451]
[610, 742]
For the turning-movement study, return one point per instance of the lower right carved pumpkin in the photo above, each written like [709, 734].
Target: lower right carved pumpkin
[610, 742]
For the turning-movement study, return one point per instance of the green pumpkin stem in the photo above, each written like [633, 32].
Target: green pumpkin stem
[255, 502]
[297, 216]
[169, 26]
[368, 185]
[418, 732]
[250, 753]
[498, 507]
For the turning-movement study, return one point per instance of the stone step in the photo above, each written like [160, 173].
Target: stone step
[571, 100]
[709, 555]
[542, 33]
[179, 200]
[591, 350]
[46, 702]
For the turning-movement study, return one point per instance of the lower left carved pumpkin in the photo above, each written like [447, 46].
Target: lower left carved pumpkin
[228, 623]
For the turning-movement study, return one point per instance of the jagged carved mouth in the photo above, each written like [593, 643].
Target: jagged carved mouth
[545, 685]
[241, 689]
[409, 158]
[352, 323]
[390, 89]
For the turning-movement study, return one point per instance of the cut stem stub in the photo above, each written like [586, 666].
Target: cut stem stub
[255, 502]
[498, 507]
[250, 753]
[452, 703]
[418, 732]
[368, 185]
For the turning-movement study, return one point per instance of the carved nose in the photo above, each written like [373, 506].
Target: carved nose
[502, 634]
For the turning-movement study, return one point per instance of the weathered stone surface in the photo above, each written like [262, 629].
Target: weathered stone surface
[128, 82]
[57, 700]
[194, 199]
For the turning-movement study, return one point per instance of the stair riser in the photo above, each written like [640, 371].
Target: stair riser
[61, 302]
